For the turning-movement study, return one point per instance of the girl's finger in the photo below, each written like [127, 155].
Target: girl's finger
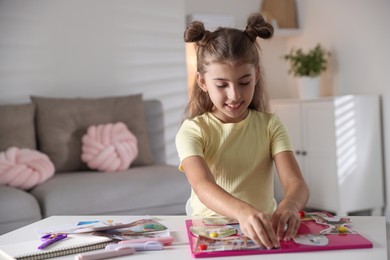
[292, 229]
[250, 232]
[282, 228]
[267, 234]
[297, 225]
[275, 221]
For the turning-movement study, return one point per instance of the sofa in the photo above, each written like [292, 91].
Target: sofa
[55, 126]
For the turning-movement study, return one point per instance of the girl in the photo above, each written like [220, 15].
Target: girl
[228, 143]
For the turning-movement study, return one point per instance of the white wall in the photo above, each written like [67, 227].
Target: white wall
[355, 31]
[91, 48]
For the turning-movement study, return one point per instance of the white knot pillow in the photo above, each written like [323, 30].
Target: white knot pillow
[109, 147]
[24, 168]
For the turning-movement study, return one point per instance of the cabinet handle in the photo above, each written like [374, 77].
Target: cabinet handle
[297, 152]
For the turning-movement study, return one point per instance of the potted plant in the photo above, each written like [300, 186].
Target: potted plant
[307, 67]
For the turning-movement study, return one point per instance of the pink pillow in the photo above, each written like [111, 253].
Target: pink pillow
[109, 148]
[24, 168]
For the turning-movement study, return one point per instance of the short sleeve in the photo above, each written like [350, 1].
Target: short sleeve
[189, 140]
[280, 140]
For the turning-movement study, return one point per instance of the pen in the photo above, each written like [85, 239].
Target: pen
[143, 246]
[114, 250]
[104, 254]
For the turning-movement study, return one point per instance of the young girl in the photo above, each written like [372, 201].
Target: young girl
[228, 143]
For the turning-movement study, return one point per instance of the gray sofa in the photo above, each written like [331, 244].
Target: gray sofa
[153, 188]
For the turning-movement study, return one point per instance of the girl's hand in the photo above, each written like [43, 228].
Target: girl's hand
[258, 227]
[285, 222]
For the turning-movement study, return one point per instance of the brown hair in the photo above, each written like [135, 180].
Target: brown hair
[227, 45]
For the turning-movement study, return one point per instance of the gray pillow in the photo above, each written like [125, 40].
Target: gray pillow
[17, 126]
[62, 122]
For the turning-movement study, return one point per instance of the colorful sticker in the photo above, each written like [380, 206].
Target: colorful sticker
[219, 221]
[207, 244]
[213, 231]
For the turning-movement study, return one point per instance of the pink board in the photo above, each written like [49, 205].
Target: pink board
[336, 242]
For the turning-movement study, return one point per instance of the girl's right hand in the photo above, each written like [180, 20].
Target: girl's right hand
[257, 226]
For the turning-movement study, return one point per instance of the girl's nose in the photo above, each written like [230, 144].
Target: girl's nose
[234, 93]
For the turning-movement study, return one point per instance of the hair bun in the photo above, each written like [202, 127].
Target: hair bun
[195, 32]
[258, 27]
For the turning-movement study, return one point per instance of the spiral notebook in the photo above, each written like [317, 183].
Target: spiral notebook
[72, 245]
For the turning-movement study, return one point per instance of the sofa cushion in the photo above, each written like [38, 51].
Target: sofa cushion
[17, 126]
[109, 147]
[18, 208]
[157, 189]
[24, 168]
[61, 123]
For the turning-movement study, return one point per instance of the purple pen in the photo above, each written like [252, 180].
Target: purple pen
[50, 239]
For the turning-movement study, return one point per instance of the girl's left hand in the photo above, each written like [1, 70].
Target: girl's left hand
[285, 222]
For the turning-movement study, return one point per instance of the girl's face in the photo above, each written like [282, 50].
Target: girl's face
[230, 87]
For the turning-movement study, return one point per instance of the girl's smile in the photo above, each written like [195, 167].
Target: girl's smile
[234, 106]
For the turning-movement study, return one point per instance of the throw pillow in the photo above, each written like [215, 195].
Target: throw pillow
[17, 126]
[109, 147]
[24, 168]
[61, 123]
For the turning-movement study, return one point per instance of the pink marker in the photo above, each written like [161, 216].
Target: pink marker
[165, 240]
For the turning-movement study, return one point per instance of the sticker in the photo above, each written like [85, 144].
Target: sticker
[218, 221]
[336, 225]
[311, 240]
[217, 231]
[207, 244]
[87, 222]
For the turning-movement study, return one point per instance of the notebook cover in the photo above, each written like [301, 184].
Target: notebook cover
[336, 242]
[75, 243]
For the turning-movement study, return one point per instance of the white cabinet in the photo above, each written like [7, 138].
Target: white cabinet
[337, 142]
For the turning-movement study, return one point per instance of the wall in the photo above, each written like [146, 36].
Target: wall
[355, 31]
[92, 48]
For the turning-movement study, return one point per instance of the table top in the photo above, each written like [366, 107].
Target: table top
[373, 228]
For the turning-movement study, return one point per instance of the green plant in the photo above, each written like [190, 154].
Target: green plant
[310, 64]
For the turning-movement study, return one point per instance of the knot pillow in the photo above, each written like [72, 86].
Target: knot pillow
[109, 147]
[24, 168]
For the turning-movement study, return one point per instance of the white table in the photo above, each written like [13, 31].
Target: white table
[373, 228]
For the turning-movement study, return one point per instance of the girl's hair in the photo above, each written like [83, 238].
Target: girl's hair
[227, 45]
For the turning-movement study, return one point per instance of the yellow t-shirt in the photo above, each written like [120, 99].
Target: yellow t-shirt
[239, 155]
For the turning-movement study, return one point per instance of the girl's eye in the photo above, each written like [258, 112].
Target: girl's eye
[244, 83]
[221, 85]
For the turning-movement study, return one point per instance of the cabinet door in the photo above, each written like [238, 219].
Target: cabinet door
[320, 162]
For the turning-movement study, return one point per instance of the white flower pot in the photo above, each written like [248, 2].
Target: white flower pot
[309, 88]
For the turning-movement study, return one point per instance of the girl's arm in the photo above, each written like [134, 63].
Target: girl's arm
[296, 194]
[254, 224]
